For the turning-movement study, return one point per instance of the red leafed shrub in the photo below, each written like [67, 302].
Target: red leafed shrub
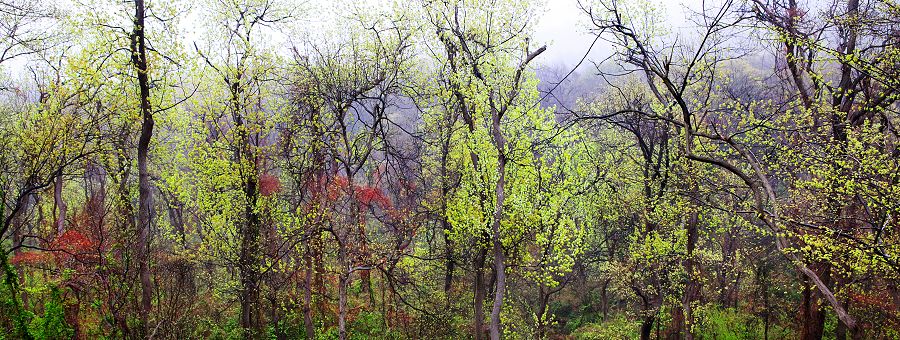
[73, 245]
[874, 300]
[31, 258]
[370, 196]
[269, 184]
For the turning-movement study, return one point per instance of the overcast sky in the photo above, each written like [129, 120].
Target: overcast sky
[563, 28]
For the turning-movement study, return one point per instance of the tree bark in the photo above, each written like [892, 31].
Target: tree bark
[479, 293]
[499, 256]
[145, 198]
[343, 279]
[307, 299]
[249, 260]
[448, 254]
[647, 327]
[59, 205]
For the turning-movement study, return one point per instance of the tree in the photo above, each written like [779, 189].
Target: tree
[505, 150]
[350, 88]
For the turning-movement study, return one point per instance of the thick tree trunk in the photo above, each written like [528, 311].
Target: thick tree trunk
[814, 315]
[248, 231]
[647, 327]
[249, 260]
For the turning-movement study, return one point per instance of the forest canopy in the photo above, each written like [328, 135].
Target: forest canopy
[278, 169]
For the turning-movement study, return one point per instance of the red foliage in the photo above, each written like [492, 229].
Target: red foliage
[67, 249]
[31, 258]
[269, 185]
[874, 300]
[74, 247]
[370, 196]
[73, 242]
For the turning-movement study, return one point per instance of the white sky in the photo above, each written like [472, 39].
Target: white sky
[563, 28]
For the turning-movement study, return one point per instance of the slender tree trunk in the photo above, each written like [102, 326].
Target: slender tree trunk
[307, 299]
[59, 205]
[543, 304]
[446, 228]
[692, 288]
[499, 142]
[691, 225]
[343, 279]
[766, 304]
[126, 211]
[480, 293]
[604, 299]
[499, 288]
[145, 198]
[448, 254]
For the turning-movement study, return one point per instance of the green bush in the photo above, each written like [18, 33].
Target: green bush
[52, 325]
[731, 324]
[616, 328]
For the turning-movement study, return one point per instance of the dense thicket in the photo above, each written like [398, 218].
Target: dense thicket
[268, 169]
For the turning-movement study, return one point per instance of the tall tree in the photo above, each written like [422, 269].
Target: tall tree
[145, 190]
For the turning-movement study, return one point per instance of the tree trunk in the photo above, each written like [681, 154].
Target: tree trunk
[145, 199]
[343, 279]
[307, 299]
[448, 254]
[604, 299]
[249, 260]
[499, 289]
[249, 253]
[543, 304]
[479, 294]
[813, 315]
[692, 288]
[59, 205]
[499, 256]
[647, 327]
[446, 228]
